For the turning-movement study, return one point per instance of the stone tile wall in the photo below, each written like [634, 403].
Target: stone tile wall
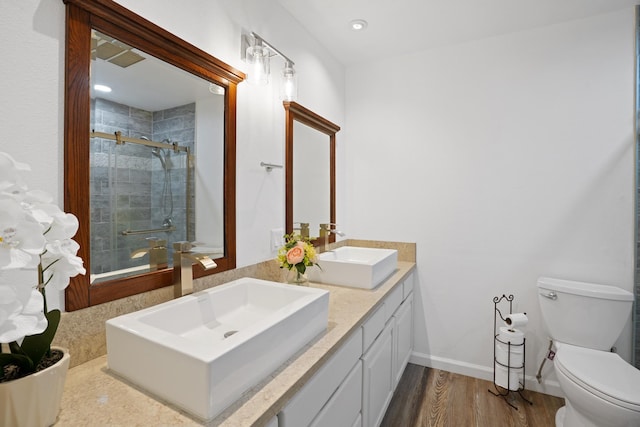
[127, 181]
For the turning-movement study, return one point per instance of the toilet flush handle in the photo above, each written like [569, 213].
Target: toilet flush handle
[550, 295]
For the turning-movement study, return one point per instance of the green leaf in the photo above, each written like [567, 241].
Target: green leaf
[36, 346]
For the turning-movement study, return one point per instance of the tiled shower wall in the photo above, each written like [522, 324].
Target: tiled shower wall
[127, 181]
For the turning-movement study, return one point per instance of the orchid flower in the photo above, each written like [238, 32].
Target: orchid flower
[21, 236]
[20, 307]
[35, 236]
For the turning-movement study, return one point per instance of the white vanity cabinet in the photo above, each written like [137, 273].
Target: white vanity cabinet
[343, 409]
[331, 389]
[384, 361]
[354, 388]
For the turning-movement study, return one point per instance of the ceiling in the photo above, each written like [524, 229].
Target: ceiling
[398, 27]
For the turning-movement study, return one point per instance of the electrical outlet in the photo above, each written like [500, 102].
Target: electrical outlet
[277, 241]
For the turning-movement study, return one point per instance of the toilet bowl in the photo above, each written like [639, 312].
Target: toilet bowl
[602, 390]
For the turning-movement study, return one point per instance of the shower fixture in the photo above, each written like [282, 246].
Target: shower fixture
[164, 155]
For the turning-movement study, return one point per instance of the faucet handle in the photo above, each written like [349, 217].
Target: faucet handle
[329, 228]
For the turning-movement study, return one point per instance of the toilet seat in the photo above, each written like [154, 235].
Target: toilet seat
[602, 373]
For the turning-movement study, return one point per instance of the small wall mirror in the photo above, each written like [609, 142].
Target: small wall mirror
[149, 151]
[310, 169]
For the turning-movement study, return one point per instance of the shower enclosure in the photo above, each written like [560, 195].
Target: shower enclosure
[142, 184]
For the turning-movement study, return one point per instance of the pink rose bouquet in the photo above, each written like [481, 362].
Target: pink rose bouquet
[297, 253]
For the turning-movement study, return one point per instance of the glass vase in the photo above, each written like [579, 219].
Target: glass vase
[296, 278]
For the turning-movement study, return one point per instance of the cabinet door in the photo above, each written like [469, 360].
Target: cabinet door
[308, 402]
[377, 380]
[403, 338]
[344, 406]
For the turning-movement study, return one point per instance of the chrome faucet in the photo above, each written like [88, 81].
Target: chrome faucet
[157, 251]
[325, 231]
[183, 260]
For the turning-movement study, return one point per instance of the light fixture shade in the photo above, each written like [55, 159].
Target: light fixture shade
[289, 83]
[258, 61]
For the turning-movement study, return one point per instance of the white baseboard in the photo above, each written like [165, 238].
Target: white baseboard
[550, 387]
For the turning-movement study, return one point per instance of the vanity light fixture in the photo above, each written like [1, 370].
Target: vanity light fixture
[258, 60]
[289, 82]
[257, 54]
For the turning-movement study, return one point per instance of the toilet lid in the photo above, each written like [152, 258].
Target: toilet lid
[603, 373]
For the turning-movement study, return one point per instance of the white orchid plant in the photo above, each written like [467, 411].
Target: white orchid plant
[36, 253]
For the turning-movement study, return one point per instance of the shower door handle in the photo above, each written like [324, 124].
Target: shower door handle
[550, 295]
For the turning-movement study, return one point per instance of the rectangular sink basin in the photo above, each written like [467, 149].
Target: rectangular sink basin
[201, 352]
[355, 267]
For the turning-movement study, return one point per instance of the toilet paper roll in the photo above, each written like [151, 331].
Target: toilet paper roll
[517, 355]
[508, 378]
[516, 320]
[509, 335]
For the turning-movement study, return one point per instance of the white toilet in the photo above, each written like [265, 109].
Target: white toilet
[584, 320]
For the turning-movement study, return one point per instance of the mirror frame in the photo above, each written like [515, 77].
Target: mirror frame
[115, 20]
[296, 112]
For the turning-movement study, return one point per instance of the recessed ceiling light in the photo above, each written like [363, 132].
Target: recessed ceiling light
[358, 24]
[215, 89]
[102, 88]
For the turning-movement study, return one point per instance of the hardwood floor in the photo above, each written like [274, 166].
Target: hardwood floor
[432, 398]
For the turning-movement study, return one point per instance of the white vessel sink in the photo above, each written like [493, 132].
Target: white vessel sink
[201, 352]
[356, 267]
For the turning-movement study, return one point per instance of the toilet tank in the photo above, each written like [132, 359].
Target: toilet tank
[583, 314]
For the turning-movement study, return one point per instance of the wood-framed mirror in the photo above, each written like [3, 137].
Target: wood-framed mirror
[101, 31]
[310, 162]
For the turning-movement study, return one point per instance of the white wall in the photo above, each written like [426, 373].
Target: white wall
[505, 159]
[32, 87]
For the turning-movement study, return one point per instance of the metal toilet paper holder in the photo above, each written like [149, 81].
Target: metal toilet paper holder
[511, 369]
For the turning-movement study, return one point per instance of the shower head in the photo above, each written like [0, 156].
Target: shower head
[158, 153]
[168, 164]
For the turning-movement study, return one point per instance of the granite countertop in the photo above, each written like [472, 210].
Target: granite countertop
[95, 396]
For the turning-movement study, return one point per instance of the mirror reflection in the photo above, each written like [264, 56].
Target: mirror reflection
[166, 96]
[153, 125]
[310, 170]
[311, 178]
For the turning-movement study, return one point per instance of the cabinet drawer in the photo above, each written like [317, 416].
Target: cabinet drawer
[306, 404]
[392, 302]
[344, 406]
[372, 327]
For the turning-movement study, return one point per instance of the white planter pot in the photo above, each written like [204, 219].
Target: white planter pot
[34, 400]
